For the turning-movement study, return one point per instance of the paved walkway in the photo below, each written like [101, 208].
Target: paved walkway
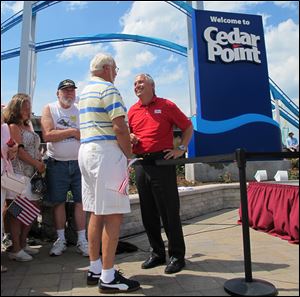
[214, 255]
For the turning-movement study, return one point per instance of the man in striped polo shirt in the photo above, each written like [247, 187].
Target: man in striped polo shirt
[105, 148]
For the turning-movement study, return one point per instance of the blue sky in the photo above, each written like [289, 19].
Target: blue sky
[156, 19]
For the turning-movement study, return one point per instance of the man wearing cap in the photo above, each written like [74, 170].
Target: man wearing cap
[60, 127]
[105, 148]
[292, 143]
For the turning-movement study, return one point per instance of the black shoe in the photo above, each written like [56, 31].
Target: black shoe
[92, 278]
[175, 265]
[153, 261]
[119, 284]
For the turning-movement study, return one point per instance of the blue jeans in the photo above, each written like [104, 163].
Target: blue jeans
[61, 177]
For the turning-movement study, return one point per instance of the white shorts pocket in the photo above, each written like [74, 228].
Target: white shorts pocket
[116, 173]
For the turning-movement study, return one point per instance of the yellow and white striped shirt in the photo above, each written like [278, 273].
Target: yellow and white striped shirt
[100, 102]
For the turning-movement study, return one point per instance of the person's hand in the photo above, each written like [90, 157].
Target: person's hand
[12, 152]
[173, 154]
[133, 139]
[76, 133]
[40, 166]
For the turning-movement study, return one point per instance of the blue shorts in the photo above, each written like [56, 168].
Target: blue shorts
[61, 177]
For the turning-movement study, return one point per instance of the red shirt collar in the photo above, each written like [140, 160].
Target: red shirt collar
[153, 100]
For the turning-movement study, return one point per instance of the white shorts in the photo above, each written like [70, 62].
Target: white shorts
[27, 192]
[103, 168]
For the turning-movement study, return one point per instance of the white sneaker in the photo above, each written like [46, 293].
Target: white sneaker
[20, 256]
[59, 246]
[31, 251]
[83, 248]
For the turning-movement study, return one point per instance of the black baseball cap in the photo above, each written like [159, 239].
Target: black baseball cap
[66, 83]
[291, 133]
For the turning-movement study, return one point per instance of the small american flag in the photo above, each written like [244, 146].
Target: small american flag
[124, 187]
[23, 210]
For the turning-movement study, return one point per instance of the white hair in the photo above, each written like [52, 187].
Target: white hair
[99, 61]
[149, 78]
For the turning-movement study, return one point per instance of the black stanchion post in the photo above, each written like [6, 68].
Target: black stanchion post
[241, 163]
[247, 286]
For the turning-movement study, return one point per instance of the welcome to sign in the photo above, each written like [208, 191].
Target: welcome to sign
[232, 86]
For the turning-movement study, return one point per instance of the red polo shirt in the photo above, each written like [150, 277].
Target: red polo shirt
[153, 124]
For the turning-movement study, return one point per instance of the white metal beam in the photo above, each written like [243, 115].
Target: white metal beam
[27, 53]
[190, 52]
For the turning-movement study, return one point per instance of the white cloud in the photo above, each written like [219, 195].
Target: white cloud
[73, 5]
[230, 6]
[144, 58]
[172, 59]
[11, 6]
[81, 52]
[170, 76]
[287, 4]
[282, 43]
[154, 19]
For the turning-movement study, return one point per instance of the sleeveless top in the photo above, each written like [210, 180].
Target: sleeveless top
[31, 142]
[67, 149]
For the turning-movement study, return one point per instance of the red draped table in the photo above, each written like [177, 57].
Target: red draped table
[274, 208]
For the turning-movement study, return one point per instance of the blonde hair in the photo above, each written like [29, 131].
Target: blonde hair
[99, 61]
[12, 113]
[2, 115]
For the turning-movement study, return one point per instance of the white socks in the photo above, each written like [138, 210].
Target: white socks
[61, 234]
[96, 266]
[108, 275]
[81, 235]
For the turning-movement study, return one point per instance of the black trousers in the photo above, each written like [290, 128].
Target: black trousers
[157, 188]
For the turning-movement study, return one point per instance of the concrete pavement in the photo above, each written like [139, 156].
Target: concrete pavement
[214, 255]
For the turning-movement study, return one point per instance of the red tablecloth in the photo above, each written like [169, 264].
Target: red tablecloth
[274, 208]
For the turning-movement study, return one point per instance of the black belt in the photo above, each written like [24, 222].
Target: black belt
[152, 156]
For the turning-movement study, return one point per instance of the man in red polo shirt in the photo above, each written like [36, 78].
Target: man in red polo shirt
[151, 122]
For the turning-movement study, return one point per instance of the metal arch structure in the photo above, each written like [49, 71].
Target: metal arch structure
[110, 37]
[40, 5]
[286, 115]
[17, 18]
[276, 92]
[182, 6]
[27, 63]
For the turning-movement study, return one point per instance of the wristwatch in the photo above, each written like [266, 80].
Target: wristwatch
[182, 148]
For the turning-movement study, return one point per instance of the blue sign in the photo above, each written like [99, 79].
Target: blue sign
[232, 87]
